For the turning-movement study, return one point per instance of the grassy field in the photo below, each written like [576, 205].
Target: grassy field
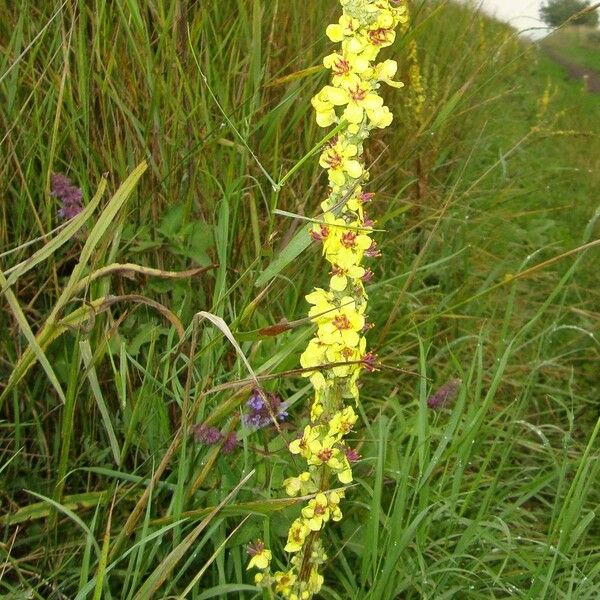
[175, 120]
[580, 45]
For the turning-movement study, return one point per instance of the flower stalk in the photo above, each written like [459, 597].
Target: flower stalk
[352, 100]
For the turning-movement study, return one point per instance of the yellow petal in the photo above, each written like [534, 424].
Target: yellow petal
[337, 177]
[335, 32]
[373, 101]
[354, 113]
[326, 118]
[354, 169]
[338, 283]
[345, 476]
[336, 96]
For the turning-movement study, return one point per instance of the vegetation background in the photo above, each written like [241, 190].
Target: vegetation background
[488, 199]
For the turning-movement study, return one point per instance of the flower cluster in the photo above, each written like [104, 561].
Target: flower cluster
[337, 353]
[417, 89]
[264, 409]
[209, 436]
[70, 196]
[445, 395]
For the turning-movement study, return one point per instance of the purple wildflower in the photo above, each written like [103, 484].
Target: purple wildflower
[444, 395]
[70, 195]
[262, 408]
[230, 443]
[206, 435]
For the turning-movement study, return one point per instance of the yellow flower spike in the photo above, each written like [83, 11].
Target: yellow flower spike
[336, 356]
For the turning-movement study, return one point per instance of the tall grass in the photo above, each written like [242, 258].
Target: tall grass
[486, 202]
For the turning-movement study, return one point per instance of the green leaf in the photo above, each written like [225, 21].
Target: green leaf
[300, 242]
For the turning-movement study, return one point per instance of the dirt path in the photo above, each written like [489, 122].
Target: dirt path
[577, 71]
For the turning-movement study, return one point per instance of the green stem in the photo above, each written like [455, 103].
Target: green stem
[342, 125]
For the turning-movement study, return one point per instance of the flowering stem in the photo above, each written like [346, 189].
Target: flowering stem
[352, 104]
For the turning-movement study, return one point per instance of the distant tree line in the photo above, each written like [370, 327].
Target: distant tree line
[557, 12]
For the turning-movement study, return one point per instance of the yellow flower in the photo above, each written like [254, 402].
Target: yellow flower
[342, 422]
[296, 536]
[317, 409]
[260, 556]
[302, 445]
[284, 582]
[315, 581]
[385, 72]
[317, 512]
[381, 33]
[303, 485]
[338, 353]
[346, 26]
[339, 160]
[381, 118]
[314, 355]
[344, 473]
[323, 306]
[345, 68]
[358, 98]
[343, 326]
[346, 247]
[335, 228]
[324, 108]
[341, 275]
[324, 452]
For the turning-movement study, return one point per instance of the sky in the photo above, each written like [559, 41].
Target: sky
[521, 14]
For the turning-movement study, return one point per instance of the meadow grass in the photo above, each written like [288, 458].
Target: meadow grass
[187, 115]
[581, 45]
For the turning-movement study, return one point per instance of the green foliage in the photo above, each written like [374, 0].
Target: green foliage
[575, 12]
[485, 206]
